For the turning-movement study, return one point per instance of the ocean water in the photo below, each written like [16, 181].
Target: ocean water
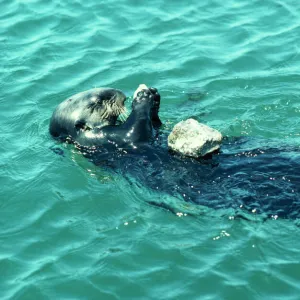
[73, 230]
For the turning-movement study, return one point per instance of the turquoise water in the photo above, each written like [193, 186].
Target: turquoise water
[71, 230]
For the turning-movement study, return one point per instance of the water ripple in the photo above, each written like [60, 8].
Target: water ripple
[69, 229]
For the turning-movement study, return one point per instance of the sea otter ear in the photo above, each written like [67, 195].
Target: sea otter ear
[81, 125]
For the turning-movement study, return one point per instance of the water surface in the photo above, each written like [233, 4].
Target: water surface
[69, 229]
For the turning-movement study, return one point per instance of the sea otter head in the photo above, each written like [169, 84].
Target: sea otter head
[87, 110]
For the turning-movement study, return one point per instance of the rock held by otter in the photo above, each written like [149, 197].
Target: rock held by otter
[191, 138]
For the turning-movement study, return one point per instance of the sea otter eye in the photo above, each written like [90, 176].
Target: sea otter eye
[140, 94]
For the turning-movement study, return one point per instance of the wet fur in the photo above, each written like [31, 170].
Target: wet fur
[85, 111]
[242, 178]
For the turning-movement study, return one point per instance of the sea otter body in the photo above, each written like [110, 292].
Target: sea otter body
[241, 177]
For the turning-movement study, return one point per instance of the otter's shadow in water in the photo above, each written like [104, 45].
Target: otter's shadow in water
[263, 180]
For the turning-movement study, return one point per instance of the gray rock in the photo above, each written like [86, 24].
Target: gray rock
[191, 138]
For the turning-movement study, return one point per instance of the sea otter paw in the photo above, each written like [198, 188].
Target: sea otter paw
[156, 100]
[142, 94]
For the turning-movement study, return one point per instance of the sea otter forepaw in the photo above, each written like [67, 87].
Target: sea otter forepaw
[153, 90]
[156, 95]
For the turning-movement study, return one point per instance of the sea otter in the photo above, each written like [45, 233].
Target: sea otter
[250, 175]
